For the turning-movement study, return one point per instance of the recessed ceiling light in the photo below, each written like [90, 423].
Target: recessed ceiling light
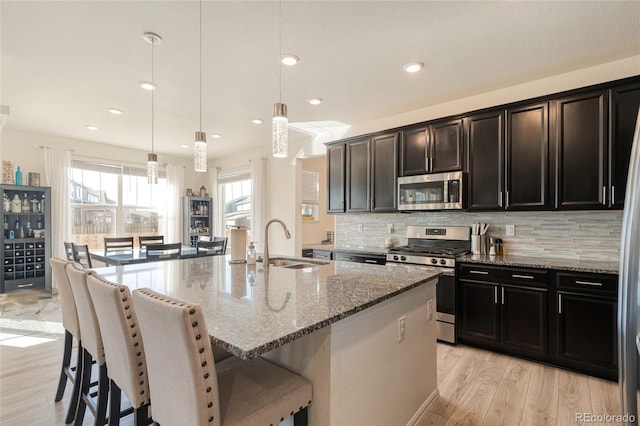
[183, 146]
[290, 59]
[147, 85]
[257, 121]
[90, 127]
[215, 136]
[315, 101]
[115, 111]
[413, 66]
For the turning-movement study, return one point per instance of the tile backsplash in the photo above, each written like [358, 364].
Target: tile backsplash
[590, 235]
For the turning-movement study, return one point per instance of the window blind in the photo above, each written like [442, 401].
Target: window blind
[310, 187]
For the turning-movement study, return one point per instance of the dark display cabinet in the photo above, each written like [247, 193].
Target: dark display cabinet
[197, 219]
[26, 239]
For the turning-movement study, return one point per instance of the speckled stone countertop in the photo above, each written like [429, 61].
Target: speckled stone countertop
[250, 310]
[590, 266]
[363, 250]
[318, 246]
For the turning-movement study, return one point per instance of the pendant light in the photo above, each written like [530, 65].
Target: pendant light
[280, 130]
[152, 158]
[200, 144]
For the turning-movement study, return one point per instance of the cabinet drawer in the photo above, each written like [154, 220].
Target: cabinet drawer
[322, 254]
[359, 258]
[592, 283]
[503, 274]
[22, 285]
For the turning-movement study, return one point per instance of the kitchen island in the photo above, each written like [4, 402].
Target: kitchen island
[364, 335]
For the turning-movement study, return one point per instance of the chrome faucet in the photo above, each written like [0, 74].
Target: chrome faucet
[266, 239]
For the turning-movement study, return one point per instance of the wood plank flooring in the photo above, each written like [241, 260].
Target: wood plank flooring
[477, 387]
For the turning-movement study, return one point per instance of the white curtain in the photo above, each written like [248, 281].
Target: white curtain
[57, 166]
[173, 222]
[258, 185]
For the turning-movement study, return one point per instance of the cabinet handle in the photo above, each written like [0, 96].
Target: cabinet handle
[589, 283]
[345, 258]
[25, 285]
[604, 195]
[500, 199]
[495, 294]
[479, 272]
[502, 295]
[370, 261]
[506, 196]
[613, 195]
[560, 304]
[430, 164]
[526, 277]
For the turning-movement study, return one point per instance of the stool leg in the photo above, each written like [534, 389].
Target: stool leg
[84, 387]
[77, 383]
[114, 404]
[300, 418]
[141, 415]
[66, 362]
[103, 396]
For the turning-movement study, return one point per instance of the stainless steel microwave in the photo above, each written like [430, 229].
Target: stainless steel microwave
[437, 191]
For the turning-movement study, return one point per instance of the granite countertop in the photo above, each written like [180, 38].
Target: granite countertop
[318, 246]
[250, 310]
[590, 266]
[353, 250]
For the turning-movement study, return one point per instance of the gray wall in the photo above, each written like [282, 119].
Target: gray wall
[567, 235]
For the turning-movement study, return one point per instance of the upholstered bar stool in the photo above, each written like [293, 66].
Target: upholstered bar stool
[189, 388]
[123, 347]
[71, 331]
[92, 348]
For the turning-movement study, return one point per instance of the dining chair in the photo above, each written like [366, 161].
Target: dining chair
[71, 331]
[163, 251]
[153, 239]
[123, 348]
[188, 387]
[81, 255]
[209, 248]
[225, 239]
[68, 249]
[118, 243]
[92, 349]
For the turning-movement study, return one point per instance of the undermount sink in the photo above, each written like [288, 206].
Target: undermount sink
[294, 263]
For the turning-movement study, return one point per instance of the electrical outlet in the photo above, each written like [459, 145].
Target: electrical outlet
[430, 309]
[402, 328]
[511, 230]
[360, 227]
[390, 228]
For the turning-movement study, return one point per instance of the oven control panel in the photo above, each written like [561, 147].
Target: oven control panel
[421, 260]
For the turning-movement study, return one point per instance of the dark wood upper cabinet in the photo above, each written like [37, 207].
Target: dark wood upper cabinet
[527, 162]
[580, 152]
[358, 176]
[384, 172]
[623, 110]
[446, 146]
[433, 149]
[485, 143]
[414, 152]
[336, 178]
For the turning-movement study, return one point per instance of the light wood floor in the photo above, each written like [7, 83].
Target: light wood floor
[476, 387]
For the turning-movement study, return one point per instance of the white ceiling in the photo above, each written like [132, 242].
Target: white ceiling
[65, 62]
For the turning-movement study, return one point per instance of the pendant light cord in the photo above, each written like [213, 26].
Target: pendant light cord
[280, 48]
[200, 29]
[153, 42]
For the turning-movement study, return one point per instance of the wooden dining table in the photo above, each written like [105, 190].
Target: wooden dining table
[131, 256]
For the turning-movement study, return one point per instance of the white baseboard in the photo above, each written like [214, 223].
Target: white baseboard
[423, 408]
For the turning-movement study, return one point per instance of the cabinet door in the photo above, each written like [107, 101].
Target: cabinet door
[580, 152]
[527, 148]
[384, 172]
[524, 318]
[445, 146]
[486, 160]
[624, 104]
[358, 176]
[413, 152]
[479, 311]
[335, 178]
[587, 333]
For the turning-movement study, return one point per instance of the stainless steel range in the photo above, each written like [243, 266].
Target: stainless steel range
[437, 247]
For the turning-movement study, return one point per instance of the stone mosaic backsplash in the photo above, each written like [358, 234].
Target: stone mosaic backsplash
[590, 235]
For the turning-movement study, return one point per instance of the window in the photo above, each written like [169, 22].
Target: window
[234, 187]
[310, 190]
[109, 200]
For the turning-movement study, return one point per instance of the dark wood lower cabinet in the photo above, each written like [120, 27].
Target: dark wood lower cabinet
[587, 333]
[568, 319]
